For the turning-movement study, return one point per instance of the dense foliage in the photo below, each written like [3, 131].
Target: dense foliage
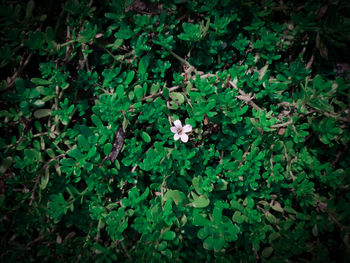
[90, 170]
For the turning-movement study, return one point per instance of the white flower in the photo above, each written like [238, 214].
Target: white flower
[180, 132]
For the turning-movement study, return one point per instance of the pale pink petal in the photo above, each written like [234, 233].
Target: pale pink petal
[176, 136]
[173, 129]
[178, 124]
[187, 128]
[184, 137]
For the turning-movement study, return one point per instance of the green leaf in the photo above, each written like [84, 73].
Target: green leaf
[38, 81]
[45, 179]
[199, 220]
[315, 230]
[30, 8]
[166, 92]
[237, 217]
[145, 137]
[68, 162]
[154, 88]
[271, 218]
[221, 186]
[49, 34]
[197, 183]
[57, 206]
[88, 33]
[219, 206]
[101, 249]
[249, 202]
[112, 16]
[5, 164]
[120, 91]
[75, 153]
[178, 97]
[107, 148]
[170, 235]
[35, 40]
[273, 236]
[41, 113]
[201, 202]
[138, 90]
[117, 222]
[212, 243]
[85, 130]
[202, 233]
[277, 207]
[50, 152]
[189, 87]
[131, 95]
[129, 78]
[192, 32]
[177, 196]
[97, 121]
[167, 253]
[83, 142]
[162, 245]
[143, 64]
[267, 252]
[124, 33]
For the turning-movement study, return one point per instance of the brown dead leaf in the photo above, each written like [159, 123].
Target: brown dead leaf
[281, 131]
[205, 119]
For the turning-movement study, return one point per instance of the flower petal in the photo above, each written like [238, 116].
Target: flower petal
[184, 137]
[178, 124]
[187, 128]
[176, 136]
[173, 129]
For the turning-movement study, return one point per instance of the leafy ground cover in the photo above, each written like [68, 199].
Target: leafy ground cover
[175, 131]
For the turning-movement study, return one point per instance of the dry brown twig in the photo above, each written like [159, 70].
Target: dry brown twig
[245, 97]
[23, 63]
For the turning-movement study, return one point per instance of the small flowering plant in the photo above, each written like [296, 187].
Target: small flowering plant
[180, 132]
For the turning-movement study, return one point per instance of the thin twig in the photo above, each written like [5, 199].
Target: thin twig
[244, 157]
[245, 97]
[120, 57]
[88, 236]
[23, 64]
[280, 125]
[333, 115]
[309, 63]
[134, 168]
[163, 185]
[179, 58]
[159, 93]
[327, 114]
[22, 138]
[58, 21]
[125, 250]
[39, 176]
[338, 156]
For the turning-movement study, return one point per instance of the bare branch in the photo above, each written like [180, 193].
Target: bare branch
[245, 97]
